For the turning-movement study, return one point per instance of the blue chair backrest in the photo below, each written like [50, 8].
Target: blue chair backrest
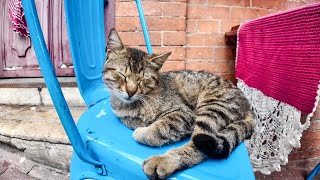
[85, 22]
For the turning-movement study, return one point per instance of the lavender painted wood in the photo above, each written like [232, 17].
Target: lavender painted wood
[61, 51]
[17, 57]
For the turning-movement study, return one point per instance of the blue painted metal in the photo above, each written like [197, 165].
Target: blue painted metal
[53, 84]
[85, 24]
[106, 138]
[144, 26]
[111, 142]
[314, 172]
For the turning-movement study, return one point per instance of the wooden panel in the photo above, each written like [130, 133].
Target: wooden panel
[60, 44]
[60, 51]
[17, 57]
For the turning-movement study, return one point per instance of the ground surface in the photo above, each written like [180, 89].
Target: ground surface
[15, 166]
[33, 145]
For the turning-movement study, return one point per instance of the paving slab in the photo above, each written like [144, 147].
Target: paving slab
[14, 164]
[20, 96]
[50, 174]
[14, 174]
[38, 133]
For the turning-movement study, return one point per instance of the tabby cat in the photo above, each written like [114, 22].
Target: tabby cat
[166, 107]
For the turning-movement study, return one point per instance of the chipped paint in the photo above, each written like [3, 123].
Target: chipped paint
[64, 66]
[102, 113]
[12, 68]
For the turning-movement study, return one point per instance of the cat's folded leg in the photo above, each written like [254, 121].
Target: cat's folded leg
[162, 166]
[132, 122]
[169, 128]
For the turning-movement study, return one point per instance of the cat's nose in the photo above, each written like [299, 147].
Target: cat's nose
[131, 89]
[131, 93]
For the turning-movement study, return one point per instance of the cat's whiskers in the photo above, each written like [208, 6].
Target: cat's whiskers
[154, 99]
[146, 103]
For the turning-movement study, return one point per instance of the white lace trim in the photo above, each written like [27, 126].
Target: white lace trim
[278, 130]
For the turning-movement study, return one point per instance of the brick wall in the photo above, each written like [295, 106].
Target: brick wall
[194, 31]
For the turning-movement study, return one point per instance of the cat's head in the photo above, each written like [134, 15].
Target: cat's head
[129, 73]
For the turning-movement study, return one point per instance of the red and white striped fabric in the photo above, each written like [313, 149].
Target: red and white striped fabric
[278, 68]
[16, 15]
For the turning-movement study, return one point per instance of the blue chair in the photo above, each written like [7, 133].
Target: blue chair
[103, 147]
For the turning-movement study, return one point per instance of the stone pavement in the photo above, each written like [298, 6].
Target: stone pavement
[33, 144]
[15, 166]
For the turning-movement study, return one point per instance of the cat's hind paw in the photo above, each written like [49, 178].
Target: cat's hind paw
[161, 167]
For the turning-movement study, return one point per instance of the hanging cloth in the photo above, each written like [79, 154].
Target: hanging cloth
[278, 69]
[16, 15]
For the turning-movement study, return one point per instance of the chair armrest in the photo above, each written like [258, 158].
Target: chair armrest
[53, 84]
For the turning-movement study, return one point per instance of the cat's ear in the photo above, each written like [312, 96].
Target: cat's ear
[157, 60]
[114, 40]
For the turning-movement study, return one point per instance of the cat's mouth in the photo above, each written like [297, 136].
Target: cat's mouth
[127, 99]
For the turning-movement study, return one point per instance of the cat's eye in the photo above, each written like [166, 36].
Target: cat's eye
[141, 72]
[124, 77]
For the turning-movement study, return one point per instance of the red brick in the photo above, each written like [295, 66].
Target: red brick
[247, 13]
[232, 65]
[127, 23]
[316, 115]
[197, 1]
[304, 154]
[225, 54]
[315, 125]
[294, 4]
[208, 12]
[208, 26]
[278, 4]
[166, 23]
[178, 52]
[191, 25]
[174, 9]
[136, 38]
[290, 174]
[173, 66]
[130, 8]
[230, 2]
[226, 25]
[205, 40]
[309, 145]
[311, 135]
[209, 66]
[199, 53]
[174, 38]
[228, 76]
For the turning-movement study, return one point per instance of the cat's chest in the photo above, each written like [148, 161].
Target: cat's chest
[145, 112]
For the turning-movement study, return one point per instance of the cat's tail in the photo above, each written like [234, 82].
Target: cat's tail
[221, 144]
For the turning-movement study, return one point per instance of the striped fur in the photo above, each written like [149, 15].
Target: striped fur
[166, 107]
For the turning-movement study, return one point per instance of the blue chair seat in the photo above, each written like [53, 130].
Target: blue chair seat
[110, 142]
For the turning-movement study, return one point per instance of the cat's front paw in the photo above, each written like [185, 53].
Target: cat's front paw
[161, 167]
[146, 135]
[140, 134]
